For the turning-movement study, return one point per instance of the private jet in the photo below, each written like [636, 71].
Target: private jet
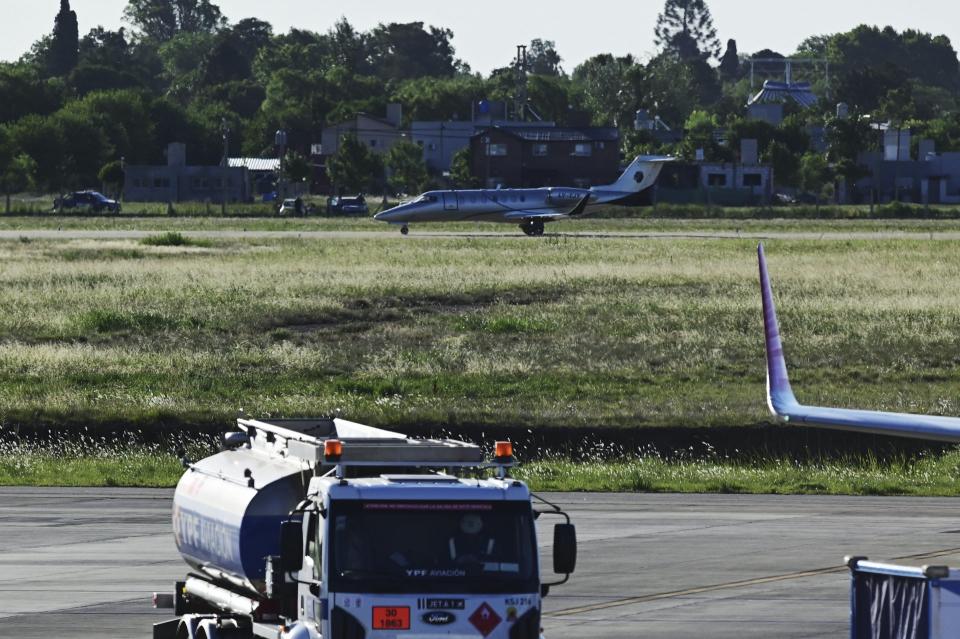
[531, 209]
[784, 405]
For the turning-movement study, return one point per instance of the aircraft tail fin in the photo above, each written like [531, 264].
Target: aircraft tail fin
[640, 175]
[780, 396]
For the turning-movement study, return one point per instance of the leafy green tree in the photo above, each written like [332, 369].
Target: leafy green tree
[184, 56]
[439, 98]
[543, 58]
[461, 175]
[406, 167]
[730, 63]
[401, 51]
[65, 46]
[670, 89]
[348, 48]
[249, 36]
[113, 176]
[25, 92]
[17, 176]
[605, 82]
[296, 167]
[161, 20]
[42, 139]
[785, 162]
[814, 175]
[354, 167]
[686, 28]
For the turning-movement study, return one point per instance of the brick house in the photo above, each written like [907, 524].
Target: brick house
[529, 155]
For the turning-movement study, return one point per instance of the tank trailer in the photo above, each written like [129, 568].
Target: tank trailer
[323, 528]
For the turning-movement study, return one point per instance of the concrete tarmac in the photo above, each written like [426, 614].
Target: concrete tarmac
[84, 562]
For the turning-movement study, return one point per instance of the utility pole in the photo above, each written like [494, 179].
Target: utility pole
[521, 97]
[225, 130]
[280, 141]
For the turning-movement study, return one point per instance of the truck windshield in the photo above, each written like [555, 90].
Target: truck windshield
[432, 547]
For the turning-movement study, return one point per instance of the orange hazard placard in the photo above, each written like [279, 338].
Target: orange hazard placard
[391, 618]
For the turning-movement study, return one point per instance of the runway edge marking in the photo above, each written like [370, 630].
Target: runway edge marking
[730, 586]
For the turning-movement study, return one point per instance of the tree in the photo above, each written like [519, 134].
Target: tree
[402, 51]
[606, 85]
[17, 176]
[408, 171]
[354, 167]
[297, 167]
[161, 20]
[543, 58]
[686, 28]
[113, 176]
[814, 175]
[730, 63]
[65, 46]
[461, 175]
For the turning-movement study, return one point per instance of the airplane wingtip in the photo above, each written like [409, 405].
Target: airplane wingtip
[779, 393]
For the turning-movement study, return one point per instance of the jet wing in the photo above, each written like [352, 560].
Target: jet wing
[546, 216]
[783, 404]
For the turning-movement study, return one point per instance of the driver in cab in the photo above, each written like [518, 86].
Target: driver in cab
[470, 543]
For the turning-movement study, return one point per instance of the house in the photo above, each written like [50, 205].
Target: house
[378, 134]
[535, 154]
[894, 175]
[178, 182]
[744, 183]
[440, 141]
[263, 172]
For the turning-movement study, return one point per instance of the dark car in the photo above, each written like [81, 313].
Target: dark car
[92, 201]
[347, 205]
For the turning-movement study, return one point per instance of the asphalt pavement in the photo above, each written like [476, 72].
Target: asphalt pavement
[84, 562]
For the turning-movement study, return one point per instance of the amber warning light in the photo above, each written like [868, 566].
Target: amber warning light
[504, 450]
[332, 449]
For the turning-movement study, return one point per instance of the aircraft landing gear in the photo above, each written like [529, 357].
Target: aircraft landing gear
[534, 228]
[404, 230]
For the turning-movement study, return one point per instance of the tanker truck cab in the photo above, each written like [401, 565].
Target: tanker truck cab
[391, 538]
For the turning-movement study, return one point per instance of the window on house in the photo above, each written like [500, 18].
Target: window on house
[752, 179]
[582, 150]
[540, 150]
[373, 144]
[420, 143]
[496, 150]
[717, 179]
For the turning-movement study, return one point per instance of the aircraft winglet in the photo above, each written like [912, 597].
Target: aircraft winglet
[780, 396]
[782, 402]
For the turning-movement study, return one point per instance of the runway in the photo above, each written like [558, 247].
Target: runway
[84, 562]
[507, 233]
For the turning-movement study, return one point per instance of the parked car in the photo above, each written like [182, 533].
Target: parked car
[348, 205]
[292, 206]
[92, 201]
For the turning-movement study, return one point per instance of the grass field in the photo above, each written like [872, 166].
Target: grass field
[561, 332]
[88, 461]
[474, 332]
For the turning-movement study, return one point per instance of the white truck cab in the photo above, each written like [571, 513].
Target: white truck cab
[388, 538]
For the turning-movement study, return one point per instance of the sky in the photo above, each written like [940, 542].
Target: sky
[486, 33]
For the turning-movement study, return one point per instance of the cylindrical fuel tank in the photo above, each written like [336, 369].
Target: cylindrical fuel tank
[227, 511]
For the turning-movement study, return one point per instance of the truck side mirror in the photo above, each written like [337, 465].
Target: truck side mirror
[564, 549]
[291, 546]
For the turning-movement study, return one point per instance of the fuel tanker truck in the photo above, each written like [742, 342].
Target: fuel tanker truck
[307, 529]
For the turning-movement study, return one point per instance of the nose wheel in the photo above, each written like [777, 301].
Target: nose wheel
[404, 230]
[533, 228]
